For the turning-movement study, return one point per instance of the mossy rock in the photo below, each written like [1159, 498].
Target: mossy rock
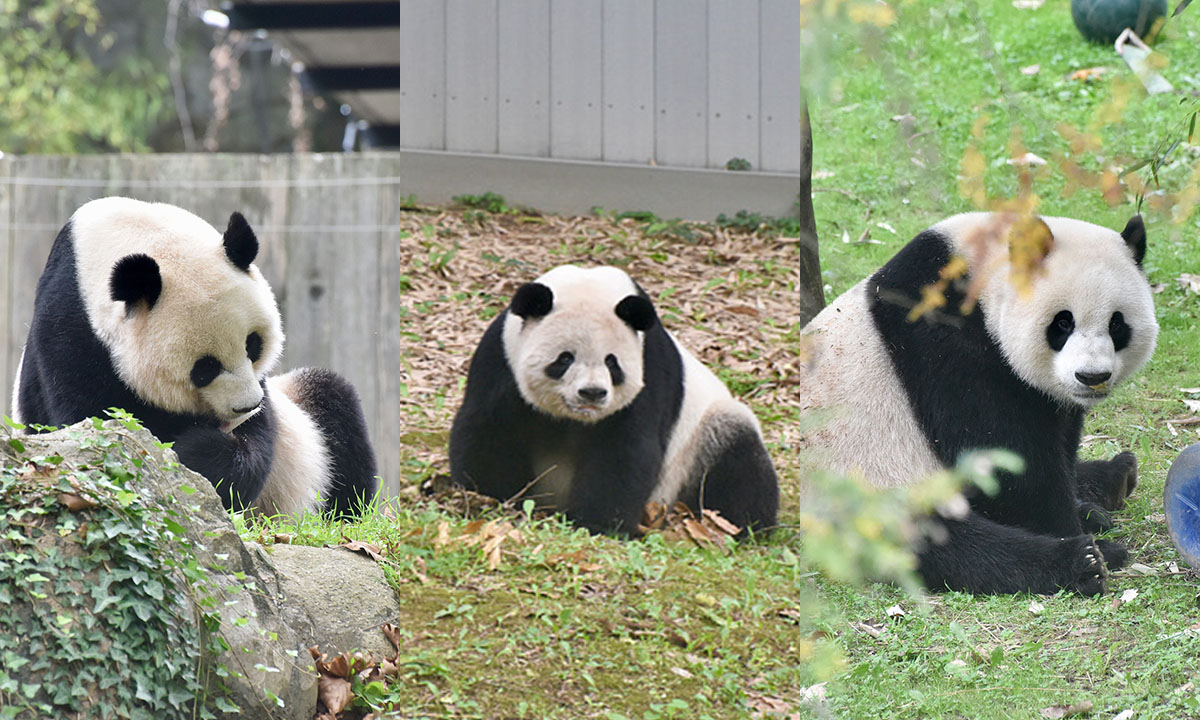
[1101, 21]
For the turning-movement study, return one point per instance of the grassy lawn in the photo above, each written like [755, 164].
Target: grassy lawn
[564, 625]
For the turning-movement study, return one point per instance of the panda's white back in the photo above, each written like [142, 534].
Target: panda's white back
[859, 403]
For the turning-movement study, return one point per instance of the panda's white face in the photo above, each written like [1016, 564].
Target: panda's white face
[1088, 324]
[573, 339]
[191, 324]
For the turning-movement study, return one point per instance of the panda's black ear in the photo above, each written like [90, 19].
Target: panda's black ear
[1135, 237]
[135, 278]
[240, 244]
[638, 312]
[532, 300]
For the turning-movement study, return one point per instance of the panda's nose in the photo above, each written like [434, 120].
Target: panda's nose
[243, 411]
[593, 394]
[1092, 379]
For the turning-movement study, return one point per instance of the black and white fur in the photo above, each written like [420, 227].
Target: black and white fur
[579, 398]
[146, 307]
[1018, 372]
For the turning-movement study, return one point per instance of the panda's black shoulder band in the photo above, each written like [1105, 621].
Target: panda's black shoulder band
[638, 312]
[241, 246]
[532, 300]
[135, 278]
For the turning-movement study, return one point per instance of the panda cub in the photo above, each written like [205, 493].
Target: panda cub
[1018, 372]
[146, 307]
[578, 398]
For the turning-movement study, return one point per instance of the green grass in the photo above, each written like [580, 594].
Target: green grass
[572, 626]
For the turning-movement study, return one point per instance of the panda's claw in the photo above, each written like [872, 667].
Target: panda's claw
[1088, 575]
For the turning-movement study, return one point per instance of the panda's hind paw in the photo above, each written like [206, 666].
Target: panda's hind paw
[1108, 482]
[1115, 554]
[1088, 574]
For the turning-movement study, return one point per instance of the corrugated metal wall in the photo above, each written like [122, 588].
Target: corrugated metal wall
[684, 83]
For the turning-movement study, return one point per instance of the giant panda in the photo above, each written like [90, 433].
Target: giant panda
[578, 398]
[1017, 369]
[146, 307]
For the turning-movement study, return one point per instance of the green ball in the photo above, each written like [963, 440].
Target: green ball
[1102, 21]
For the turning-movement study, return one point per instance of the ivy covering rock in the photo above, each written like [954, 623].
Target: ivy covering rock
[125, 591]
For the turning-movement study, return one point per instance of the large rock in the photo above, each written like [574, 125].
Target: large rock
[266, 608]
[336, 598]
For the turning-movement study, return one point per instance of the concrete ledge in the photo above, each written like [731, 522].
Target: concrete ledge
[575, 187]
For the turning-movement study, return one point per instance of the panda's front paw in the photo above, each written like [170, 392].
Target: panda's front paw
[1094, 518]
[206, 450]
[1088, 575]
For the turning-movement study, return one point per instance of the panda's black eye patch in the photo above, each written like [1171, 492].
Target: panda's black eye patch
[254, 346]
[1120, 331]
[1059, 329]
[558, 368]
[205, 370]
[614, 369]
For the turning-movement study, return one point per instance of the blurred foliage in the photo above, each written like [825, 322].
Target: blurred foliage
[55, 97]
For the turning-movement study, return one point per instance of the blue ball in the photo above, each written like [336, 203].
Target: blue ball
[1181, 503]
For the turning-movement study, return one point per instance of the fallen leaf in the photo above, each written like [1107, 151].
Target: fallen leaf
[1028, 4]
[813, 693]
[1189, 283]
[74, 502]
[393, 633]
[1124, 715]
[1065, 711]
[283, 538]
[334, 693]
[1193, 405]
[896, 611]
[443, 535]
[1189, 390]
[372, 551]
[682, 673]
[869, 629]
[1036, 607]
[1128, 595]
[1141, 569]
[1031, 69]
[713, 517]
[1087, 74]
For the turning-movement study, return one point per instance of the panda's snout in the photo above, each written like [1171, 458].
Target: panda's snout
[243, 411]
[1092, 379]
[593, 394]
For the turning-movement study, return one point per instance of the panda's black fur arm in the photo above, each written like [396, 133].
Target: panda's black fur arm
[80, 381]
[965, 396]
[493, 463]
[333, 404]
[237, 466]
